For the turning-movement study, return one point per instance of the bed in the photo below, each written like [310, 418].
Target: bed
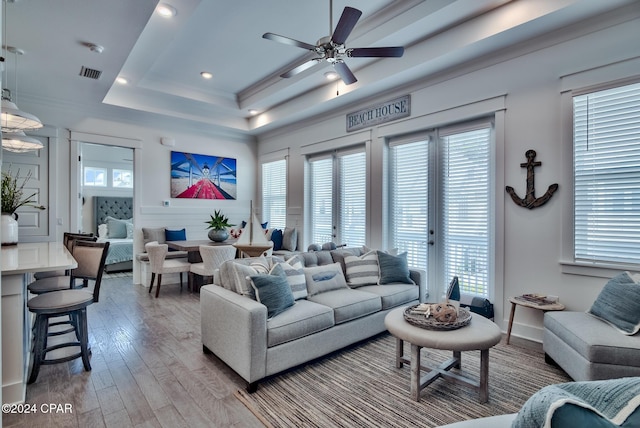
[114, 223]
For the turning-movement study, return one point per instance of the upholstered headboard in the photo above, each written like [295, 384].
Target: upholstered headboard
[111, 206]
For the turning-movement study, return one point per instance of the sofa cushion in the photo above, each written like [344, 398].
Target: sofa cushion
[619, 303]
[348, 304]
[604, 403]
[276, 237]
[362, 270]
[393, 295]
[339, 254]
[594, 339]
[321, 279]
[302, 319]
[317, 258]
[393, 268]
[273, 291]
[295, 277]
[289, 239]
[150, 234]
[235, 277]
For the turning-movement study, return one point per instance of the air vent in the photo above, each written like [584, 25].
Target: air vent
[90, 73]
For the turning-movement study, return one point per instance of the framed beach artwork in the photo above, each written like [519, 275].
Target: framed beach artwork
[195, 176]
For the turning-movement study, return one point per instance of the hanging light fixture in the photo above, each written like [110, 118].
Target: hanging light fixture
[18, 142]
[12, 119]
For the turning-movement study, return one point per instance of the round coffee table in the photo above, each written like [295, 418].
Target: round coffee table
[481, 334]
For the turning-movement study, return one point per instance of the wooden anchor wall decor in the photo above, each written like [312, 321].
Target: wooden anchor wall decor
[530, 201]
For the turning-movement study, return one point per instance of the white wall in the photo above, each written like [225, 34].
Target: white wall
[530, 244]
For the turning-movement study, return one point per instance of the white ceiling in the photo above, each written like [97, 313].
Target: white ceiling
[162, 58]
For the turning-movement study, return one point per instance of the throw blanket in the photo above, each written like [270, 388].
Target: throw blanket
[615, 400]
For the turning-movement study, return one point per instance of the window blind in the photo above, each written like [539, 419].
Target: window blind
[466, 206]
[408, 201]
[607, 176]
[353, 199]
[321, 198]
[274, 193]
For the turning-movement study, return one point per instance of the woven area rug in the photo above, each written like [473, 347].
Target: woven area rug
[360, 386]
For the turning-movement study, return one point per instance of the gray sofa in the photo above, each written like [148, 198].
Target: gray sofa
[588, 348]
[236, 329]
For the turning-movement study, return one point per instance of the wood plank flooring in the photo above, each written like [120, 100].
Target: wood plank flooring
[148, 368]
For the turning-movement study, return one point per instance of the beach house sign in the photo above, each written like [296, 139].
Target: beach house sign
[380, 113]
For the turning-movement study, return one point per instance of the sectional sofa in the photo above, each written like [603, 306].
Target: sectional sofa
[337, 298]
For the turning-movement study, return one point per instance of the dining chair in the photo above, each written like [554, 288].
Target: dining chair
[67, 240]
[212, 257]
[64, 282]
[160, 265]
[91, 258]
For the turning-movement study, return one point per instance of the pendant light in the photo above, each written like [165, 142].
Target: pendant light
[14, 121]
[18, 142]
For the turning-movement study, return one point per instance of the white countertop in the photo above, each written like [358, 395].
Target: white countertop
[35, 257]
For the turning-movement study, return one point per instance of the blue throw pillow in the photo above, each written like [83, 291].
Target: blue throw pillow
[175, 235]
[276, 237]
[619, 304]
[393, 268]
[273, 291]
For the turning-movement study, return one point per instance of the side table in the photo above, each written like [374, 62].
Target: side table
[542, 305]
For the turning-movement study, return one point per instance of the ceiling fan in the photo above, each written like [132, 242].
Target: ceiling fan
[332, 49]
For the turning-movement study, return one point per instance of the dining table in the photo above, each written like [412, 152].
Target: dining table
[192, 247]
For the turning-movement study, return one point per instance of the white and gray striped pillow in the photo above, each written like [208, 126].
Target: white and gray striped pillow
[295, 277]
[362, 270]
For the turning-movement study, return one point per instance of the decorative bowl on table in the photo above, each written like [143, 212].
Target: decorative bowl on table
[421, 316]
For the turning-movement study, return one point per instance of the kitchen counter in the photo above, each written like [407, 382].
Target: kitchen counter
[19, 262]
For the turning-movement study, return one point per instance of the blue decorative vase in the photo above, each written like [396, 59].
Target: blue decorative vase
[220, 235]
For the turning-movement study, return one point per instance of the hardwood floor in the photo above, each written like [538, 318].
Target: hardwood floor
[148, 369]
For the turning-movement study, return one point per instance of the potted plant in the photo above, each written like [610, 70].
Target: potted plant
[12, 199]
[218, 225]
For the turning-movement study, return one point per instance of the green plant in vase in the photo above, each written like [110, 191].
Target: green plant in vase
[12, 199]
[218, 225]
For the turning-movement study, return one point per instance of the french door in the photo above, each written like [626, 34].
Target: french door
[440, 205]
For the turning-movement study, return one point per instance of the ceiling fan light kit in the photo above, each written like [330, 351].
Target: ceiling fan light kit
[332, 48]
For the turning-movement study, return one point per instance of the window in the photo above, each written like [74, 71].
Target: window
[123, 178]
[274, 193]
[95, 176]
[606, 153]
[337, 197]
[440, 203]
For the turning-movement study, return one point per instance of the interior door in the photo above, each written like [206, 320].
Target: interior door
[33, 222]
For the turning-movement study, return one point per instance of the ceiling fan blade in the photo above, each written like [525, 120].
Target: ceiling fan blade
[345, 74]
[347, 21]
[287, 41]
[388, 52]
[300, 68]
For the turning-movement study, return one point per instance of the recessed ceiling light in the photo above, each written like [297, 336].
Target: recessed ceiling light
[253, 112]
[206, 74]
[166, 10]
[331, 75]
[122, 80]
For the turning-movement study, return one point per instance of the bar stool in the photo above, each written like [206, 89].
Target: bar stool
[72, 303]
[159, 265]
[64, 282]
[68, 239]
